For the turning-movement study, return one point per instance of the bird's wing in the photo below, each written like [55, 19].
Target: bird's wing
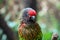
[20, 32]
[21, 38]
[39, 36]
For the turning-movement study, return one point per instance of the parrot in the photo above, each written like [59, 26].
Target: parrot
[29, 29]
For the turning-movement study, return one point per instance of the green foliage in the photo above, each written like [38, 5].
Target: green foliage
[58, 5]
[1, 1]
[47, 36]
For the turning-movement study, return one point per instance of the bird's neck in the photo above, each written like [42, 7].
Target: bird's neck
[28, 22]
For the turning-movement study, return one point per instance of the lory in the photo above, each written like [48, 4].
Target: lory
[29, 29]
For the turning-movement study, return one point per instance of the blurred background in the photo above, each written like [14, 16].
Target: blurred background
[48, 17]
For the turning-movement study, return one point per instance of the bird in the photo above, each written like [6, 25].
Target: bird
[29, 29]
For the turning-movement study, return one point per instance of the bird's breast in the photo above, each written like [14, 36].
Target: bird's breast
[29, 32]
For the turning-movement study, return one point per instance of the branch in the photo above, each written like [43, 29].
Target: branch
[9, 32]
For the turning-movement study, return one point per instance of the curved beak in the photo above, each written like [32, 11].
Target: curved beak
[32, 18]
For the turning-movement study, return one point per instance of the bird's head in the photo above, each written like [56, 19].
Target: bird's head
[29, 15]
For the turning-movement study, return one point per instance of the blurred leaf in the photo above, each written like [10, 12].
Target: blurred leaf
[1, 1]
[47, 36]
[4, 37]
[58, 5]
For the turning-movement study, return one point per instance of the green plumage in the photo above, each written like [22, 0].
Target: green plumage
[30, 32]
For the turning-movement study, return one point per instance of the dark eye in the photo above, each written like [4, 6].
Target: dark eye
[25, 14]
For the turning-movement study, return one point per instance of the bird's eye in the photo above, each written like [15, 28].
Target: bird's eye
[27, 14]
